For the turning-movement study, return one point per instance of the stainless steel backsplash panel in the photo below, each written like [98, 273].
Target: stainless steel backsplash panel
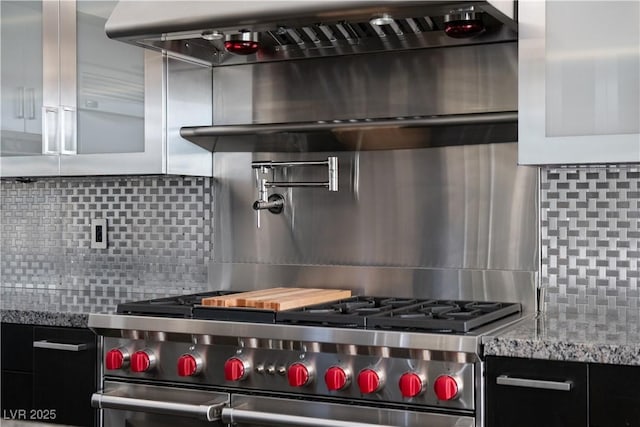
[487, 285]
[468, 207]
[439, 81]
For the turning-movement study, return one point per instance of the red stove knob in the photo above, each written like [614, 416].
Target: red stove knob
[142, 361]
[411, 384]
[298, 375]
[446, 387]
[236, 369]
[336, 378]
[369, 381]
[116, 358]
[189, 365]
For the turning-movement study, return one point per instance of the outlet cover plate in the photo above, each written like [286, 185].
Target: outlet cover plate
[98, 234]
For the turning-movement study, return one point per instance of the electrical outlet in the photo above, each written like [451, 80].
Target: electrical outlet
[98, 234]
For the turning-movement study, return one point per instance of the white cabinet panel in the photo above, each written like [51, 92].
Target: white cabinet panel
[579, 82]
[110, 86]
[21, 77]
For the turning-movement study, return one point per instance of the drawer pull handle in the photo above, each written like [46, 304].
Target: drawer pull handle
[59, 346]
[529, 383]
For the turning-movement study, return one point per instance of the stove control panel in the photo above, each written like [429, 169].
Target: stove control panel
[371, 377]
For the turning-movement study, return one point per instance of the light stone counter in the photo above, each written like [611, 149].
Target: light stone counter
[60, 307]
[607, 338]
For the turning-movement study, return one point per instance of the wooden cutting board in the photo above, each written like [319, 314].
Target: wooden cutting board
[278, 299]
[231, 300]
[310, 297]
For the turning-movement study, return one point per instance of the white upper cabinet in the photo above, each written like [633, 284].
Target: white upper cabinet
[579, 82]
[83, 104]
[21, 80]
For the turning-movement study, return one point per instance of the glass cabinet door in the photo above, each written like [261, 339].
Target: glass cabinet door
[29, 132]
[110, 86]
[579, 82]
[113, 81]
[21, 78]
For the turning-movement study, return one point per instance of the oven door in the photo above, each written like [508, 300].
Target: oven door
[270, 411]
[141, 405]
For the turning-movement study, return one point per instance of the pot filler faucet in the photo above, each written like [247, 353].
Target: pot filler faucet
[274, 203]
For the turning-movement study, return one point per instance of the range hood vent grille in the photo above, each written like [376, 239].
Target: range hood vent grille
[406, 25]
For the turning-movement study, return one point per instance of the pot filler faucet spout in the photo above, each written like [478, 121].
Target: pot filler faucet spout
[274, 203]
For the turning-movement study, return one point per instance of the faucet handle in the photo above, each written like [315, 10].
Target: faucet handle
[275, 205]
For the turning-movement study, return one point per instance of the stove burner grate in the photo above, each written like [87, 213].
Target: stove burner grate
[443, 316]
[175, 306]
[347, 313]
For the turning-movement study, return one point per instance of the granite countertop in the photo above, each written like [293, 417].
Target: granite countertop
[61, 307]
[593, 338]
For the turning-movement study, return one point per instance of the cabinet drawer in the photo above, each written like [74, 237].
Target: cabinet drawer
[65, 362]
[532, 393]
[17, 347]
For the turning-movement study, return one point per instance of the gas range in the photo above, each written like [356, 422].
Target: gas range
[415, 356]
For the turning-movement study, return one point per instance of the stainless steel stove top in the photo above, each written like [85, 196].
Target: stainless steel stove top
[364, 312]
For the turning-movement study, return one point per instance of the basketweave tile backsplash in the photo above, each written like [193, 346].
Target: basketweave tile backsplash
[159, 234]
[590, 230]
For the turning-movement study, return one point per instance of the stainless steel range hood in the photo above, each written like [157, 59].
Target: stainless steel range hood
[301, 29]
[340, 75]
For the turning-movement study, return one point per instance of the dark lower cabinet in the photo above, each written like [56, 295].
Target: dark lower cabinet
[17, 394]
[535, 393]
[614, 399]
[48, 374]
[16, 378]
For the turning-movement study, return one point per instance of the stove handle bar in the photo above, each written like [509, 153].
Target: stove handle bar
[242, 416]
[208, 411]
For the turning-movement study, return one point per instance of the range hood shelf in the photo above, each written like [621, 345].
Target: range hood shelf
[364, 134]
